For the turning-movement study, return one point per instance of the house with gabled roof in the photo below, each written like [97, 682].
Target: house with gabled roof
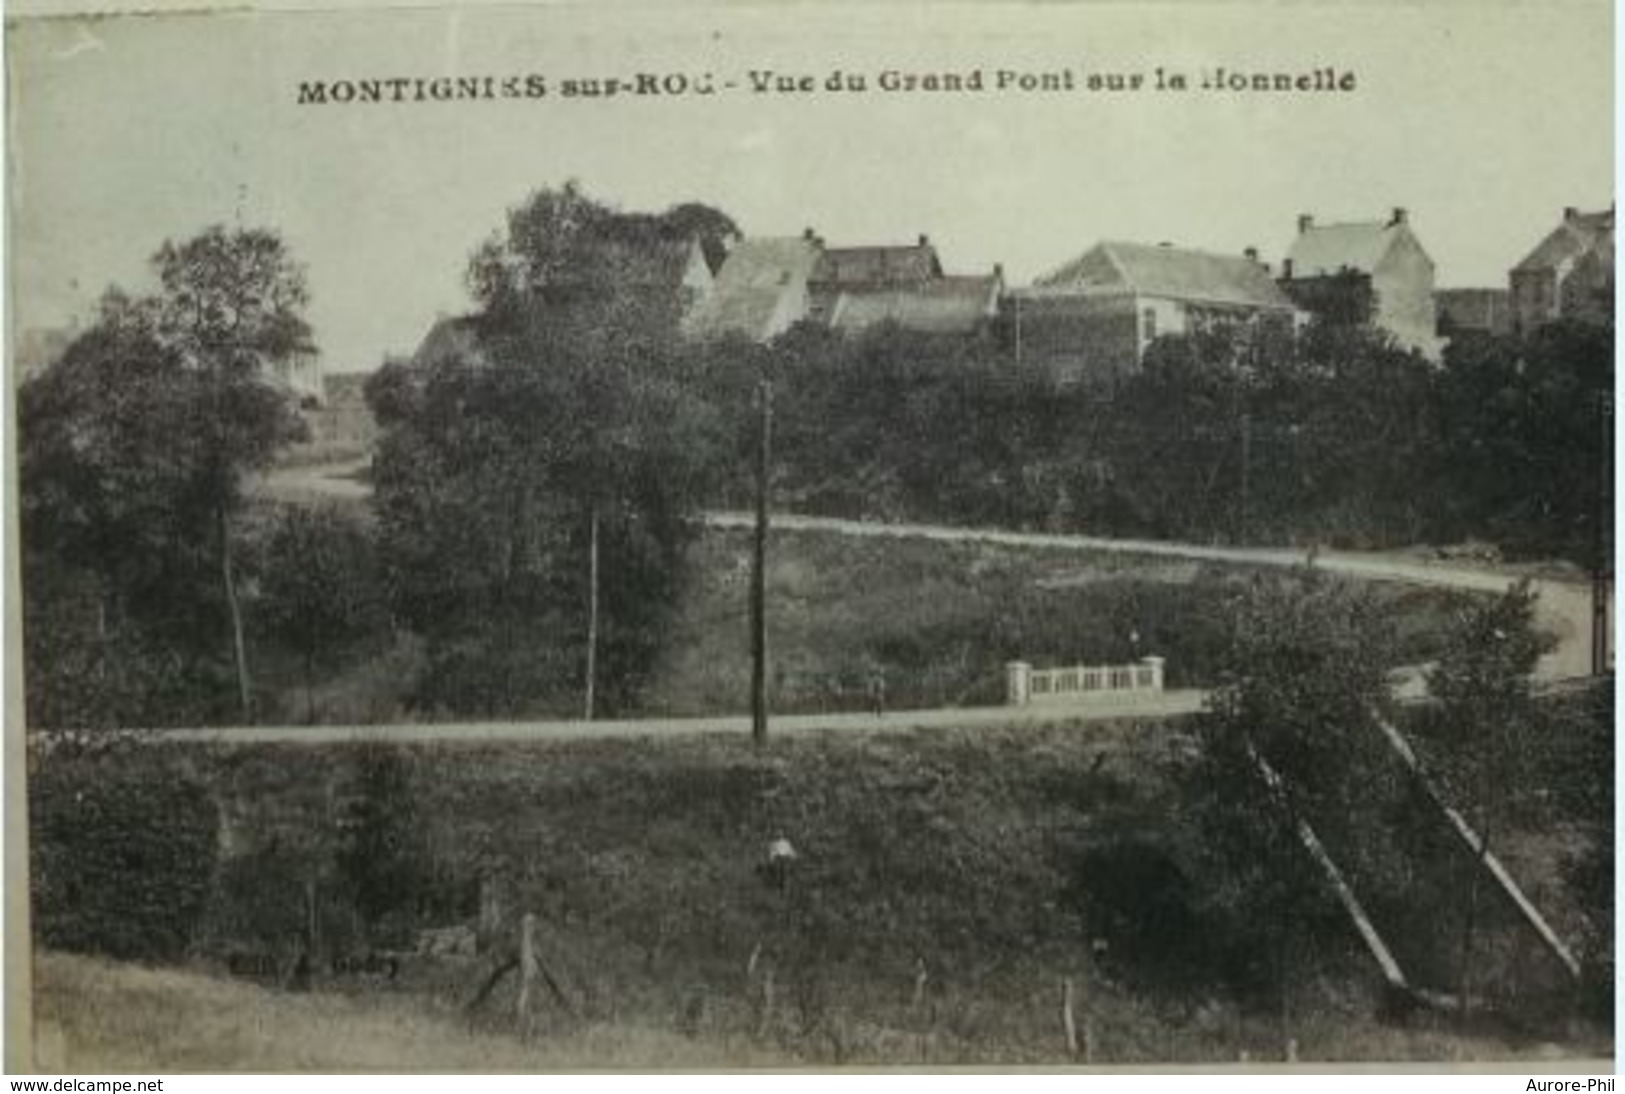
[760, 291]
[452, 340]
[1569, 274]
[886, 268]
[1094, 317]
[1374, 272]
[766, 285]
[957, 304]
[855, 289]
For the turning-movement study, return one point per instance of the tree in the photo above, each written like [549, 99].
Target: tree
[1522, 428]
[1487, 714]
[1176, 440]
[714, 229]
[1246, 433]
[231, 305]
[578, 448]
[901, 423]
[319, 586]
[550, 237]
[570, 262]
[1304, 674]
[131, 451]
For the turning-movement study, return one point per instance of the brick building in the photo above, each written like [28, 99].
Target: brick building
[1569, 274]
[1093, 318]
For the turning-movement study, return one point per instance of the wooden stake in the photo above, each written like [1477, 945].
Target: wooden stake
[527, 965]
[490, 906]
[312, 918]
[765, 1019]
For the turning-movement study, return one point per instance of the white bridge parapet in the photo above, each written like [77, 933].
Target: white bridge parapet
[1026, 685]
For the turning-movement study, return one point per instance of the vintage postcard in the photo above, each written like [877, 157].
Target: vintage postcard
[1016, 535]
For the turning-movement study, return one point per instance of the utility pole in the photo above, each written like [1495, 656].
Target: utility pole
[1246, 473]
[758, 580]
[1602, 579]
[1017, 299]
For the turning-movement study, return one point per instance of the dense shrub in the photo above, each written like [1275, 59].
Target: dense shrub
[1347, 439]
[260, 899]
[380, 854]
[123, 854]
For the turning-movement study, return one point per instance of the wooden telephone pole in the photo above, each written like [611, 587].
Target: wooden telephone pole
[758, 578]
[591, 688]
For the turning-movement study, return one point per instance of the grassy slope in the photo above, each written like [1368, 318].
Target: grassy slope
[940, 620]
[94, 1016]
[943, 618]
[974, 854]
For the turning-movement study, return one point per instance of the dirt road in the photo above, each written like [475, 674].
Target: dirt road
[1163, 705]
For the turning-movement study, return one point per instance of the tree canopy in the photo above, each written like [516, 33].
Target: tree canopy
[132, 452]
[492, 476]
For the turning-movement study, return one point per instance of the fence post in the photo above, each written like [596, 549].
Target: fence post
[490, 906]
[1017, 682]
[1155, 664]
[313, 918]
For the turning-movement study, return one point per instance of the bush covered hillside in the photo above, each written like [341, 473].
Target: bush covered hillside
[945, 884]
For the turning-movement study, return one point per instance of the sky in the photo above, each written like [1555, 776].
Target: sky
[1484, 120]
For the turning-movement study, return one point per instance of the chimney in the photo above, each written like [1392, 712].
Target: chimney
[1570, 213]
[1305, 222]
[809, 235]
[925, 240]
[1398, 217]
[1251, 253]
[998, 270]
[1286, 269]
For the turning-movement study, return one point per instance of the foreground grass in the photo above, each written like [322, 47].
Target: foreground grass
[94, 1016]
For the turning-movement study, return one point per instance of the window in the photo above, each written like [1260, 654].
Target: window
[1148, 322]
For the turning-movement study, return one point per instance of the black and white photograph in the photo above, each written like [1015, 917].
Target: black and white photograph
[817, 537]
